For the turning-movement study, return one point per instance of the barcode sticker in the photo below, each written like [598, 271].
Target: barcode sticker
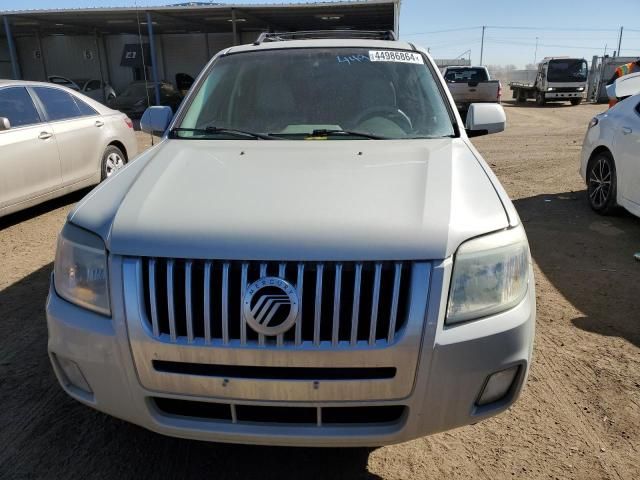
[395, 56]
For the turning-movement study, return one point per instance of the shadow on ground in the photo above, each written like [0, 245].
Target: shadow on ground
[45, 434]
[36, 211]
[588, 259]
[532, 104]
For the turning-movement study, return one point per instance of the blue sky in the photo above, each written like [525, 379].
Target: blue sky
[562, 27]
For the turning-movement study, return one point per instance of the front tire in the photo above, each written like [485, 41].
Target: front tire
[112, 160]
[576, 101]
[540, 100]
[602, 184]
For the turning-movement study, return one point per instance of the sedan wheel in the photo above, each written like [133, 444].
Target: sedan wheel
[112, 161]
[601, 184]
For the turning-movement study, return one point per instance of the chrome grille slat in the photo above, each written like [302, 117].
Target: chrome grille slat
[374, 304]
[318, 306]
[263, 273]
[207, 302]
[394, 302]
[345, 303]
[336, 305]
[152, 298]
[355, 312]
[225, 303]
[188, 300]
[243, 290]
[170, 304]
[299, 287]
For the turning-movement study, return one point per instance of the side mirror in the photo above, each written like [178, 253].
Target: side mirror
[624, 86]
[485, 118]
[156, 120]
[5, 124]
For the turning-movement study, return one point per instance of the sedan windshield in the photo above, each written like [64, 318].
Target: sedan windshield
[328, 93]
[569, 70]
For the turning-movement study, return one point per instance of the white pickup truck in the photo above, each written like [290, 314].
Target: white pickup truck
[472, 85]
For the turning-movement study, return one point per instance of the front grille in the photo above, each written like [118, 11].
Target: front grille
[307, 416]
[340, 302]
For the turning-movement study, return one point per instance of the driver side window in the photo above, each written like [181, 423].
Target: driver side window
[16, 105]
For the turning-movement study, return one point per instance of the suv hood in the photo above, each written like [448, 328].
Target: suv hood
[296, 200]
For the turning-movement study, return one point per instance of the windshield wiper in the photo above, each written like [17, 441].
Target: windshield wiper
[326, 132]
[215, 130]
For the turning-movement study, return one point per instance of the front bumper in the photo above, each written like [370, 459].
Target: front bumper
[563, 95]
[453, 366]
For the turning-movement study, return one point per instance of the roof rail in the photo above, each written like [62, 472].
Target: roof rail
[326, 34]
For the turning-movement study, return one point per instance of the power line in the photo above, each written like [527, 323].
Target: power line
[440, 31]
[512, 42]
[550, 29]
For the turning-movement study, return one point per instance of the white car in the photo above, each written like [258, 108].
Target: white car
[610, 161]
[54, 140]
[314, 255]
[91, 87]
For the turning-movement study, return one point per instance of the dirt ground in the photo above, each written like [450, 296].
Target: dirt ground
[579, 416]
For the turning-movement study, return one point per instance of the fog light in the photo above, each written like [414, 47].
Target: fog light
[73, 374]
[498, 385]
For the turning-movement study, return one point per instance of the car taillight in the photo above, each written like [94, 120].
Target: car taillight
[499, 91]
[128, 121]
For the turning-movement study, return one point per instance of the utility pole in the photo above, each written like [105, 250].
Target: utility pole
[482, 44]
[535, 55]
[620, 40]
[605, 50]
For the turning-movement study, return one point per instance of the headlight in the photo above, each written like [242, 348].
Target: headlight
[550, 89]
[580, 89]
[490, 275]
[80, 272]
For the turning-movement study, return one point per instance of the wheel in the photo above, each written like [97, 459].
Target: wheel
[576, 101]
[540, 101]
[521, 97]
[112, 160]
[601, 183]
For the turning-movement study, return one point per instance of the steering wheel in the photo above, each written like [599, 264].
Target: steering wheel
[391, 113]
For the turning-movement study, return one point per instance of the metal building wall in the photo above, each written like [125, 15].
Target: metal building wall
[5, 63]
[119, 76]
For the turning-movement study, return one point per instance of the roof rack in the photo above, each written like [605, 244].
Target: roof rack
[326, 34]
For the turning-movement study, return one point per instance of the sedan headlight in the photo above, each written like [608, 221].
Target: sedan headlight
[490, 275]
[80, 272]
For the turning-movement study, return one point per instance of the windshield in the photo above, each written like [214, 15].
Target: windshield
[333, 93]
[569, 70]
[463, 75]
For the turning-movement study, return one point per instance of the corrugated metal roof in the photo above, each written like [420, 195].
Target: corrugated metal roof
[200, 5]
[355, 14]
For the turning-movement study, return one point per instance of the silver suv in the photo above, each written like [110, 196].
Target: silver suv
[314, 254]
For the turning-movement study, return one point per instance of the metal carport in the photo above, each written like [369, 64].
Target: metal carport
[210, 26]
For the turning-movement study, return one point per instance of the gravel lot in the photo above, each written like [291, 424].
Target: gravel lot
[579, 416]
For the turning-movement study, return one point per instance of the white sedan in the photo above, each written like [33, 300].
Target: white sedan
[610, 163]
[54, 140]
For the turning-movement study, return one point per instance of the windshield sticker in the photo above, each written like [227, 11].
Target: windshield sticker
[349, 59]
[395, 56]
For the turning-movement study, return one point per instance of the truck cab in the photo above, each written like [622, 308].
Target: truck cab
[558, 79]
